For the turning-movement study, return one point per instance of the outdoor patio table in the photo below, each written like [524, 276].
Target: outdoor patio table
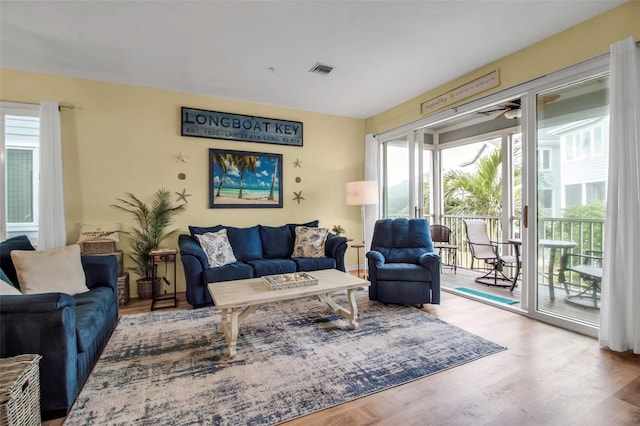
[553, 246]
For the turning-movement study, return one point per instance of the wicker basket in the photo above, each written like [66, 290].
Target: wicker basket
[123, 289]
[20, 390]
[145, 291]
[98, 247]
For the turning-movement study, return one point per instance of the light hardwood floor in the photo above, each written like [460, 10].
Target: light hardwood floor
[548, 376]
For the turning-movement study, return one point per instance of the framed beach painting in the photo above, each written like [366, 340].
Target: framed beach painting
[242, 179]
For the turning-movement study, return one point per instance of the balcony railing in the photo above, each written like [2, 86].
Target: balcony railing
[588, 234]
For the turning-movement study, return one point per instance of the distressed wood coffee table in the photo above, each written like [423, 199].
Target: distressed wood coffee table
[238, 299]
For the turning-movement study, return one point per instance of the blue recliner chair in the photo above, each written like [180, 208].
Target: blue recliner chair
[403, 267]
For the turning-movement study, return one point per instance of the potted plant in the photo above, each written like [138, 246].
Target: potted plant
[152, 223]
[338, 230]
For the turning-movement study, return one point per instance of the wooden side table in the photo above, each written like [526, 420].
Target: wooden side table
[166, 257]
[358, 247]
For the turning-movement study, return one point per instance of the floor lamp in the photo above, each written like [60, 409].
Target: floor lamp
[362, 193]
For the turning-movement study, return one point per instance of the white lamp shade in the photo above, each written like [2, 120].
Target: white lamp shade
[362, 193]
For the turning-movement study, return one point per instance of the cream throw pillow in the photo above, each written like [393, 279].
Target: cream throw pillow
[50, 271]
[104, 232]
[309, 242]
[7, 289]
[217, 248]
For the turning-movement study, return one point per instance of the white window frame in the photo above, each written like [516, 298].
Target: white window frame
[527, 93]
[27, 110]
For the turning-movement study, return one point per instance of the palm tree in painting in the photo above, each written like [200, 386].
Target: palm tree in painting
[224, 161]
[245, 162]
[273, 179]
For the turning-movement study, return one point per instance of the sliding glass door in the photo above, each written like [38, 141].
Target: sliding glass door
[396, 176]
[406, 176]
[572, 157]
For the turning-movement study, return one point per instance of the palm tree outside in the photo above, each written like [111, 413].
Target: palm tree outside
[478, 192]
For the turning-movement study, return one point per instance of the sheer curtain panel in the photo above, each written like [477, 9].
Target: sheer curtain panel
[620, 312]
[370, 173]
[51, 228]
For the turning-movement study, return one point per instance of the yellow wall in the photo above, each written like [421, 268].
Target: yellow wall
[579, 43]
[121, 139]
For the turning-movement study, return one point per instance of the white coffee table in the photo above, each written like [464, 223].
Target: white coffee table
[238, 299]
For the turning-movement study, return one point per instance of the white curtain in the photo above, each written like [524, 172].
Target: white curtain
[52, 231]
[620, 312]
[370, 173]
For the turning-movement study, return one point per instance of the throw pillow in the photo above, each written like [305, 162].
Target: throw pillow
[216, 246]
[309, 242]
[105, 232]
[293, 226]
[50, 271]
[21, 242]
[277, 242]
[245, 241]
[7, 289]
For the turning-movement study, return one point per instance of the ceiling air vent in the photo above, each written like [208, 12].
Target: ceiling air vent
[321, 69]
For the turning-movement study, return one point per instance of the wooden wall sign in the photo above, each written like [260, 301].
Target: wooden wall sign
[480, 84]
[223, 125]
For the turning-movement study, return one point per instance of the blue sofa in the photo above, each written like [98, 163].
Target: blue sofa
[260, 250]
[68, 331]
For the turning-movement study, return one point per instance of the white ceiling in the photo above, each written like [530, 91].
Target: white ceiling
[384, 52]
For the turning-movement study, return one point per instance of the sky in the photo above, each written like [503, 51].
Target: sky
[261, 179]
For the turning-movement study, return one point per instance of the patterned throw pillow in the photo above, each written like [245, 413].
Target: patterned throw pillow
[216, 246]
[309, 242]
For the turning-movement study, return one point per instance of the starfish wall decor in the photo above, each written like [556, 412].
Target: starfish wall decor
[297, 163]
[298, 196]
[181, 158]
[183, 196]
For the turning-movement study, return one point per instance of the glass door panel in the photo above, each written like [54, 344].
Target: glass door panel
[472, 188]
[427, 184]
[572, 162]
[396, 175]
[516, 184]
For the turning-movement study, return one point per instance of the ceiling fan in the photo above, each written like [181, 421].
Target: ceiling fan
[511, 109]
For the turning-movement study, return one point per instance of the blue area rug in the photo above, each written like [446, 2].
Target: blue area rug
[294, 358]
[487, 295]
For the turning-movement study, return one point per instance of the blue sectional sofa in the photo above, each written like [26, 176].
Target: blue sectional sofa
[68, 331]
[260, 250]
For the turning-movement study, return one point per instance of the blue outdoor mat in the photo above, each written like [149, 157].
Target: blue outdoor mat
[487, 295]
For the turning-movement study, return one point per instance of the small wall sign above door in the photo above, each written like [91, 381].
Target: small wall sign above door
[480, 84]
[223, 125]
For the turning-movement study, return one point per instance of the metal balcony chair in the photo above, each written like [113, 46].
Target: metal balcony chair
[589, 269]
[482, 248]
[442, 238]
